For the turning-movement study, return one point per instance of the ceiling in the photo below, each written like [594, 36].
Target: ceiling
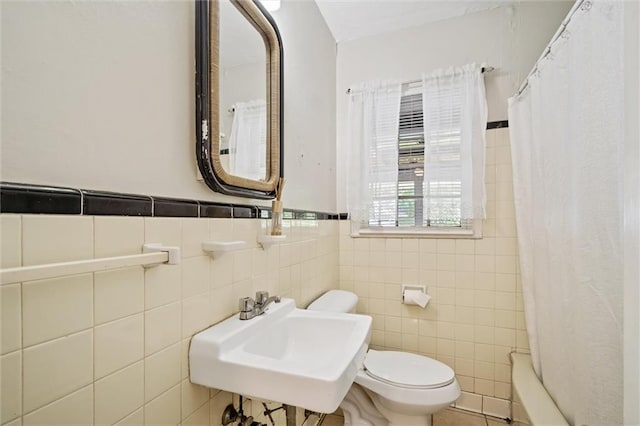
[352, 19]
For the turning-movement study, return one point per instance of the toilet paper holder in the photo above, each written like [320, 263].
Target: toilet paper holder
[422, 288]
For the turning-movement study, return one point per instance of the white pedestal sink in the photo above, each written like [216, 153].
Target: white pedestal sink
[302, 358]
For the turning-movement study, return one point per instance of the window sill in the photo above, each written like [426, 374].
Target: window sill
[357, 232]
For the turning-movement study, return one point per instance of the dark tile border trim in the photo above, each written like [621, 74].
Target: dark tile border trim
[24, 198]
[497, 124]
[172, 207]
[96, 203]
[214, 210]
[39, 199]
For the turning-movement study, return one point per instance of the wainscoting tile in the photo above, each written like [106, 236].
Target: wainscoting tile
[73, 409]
[484, 387]
[246, 230]
[11, 385]
[164, 410]
[167, 231]
[199, 418]
[49, 239]
[57, 307]
[161, 285]
[193, 397]
[118, 236]
[242, 265]
[119, 394]
[162, 371]
[10, 241]
[118, 293]
[503, 390]
[11, 318]
[194, 233]
[162, 327]
[218, 404]
[56, 368]
[195, 275]
[134, 419]
[16, 422]
[118, 344]
[196, 314]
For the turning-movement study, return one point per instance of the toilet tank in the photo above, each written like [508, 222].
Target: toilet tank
[335, 301]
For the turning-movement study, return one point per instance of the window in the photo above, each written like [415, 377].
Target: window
[437, 183]
[440, 195]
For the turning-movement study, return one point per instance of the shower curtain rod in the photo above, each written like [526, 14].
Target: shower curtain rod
[483, 70]
[585, 5]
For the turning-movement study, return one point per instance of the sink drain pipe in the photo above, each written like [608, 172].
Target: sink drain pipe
[231, 415]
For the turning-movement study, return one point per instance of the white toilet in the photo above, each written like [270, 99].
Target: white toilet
[393, 388]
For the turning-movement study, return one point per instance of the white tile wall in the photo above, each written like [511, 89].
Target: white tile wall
[11, 367]
[49, 239]
[119, 394]
[475, 316]
[57, 307]
[56, 368]
[118, 293]
[118, 344]
[112, 347]
[11, 314]
[11, 241]
[73, 409]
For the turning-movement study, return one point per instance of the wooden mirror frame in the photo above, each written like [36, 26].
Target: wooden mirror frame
[208, 100]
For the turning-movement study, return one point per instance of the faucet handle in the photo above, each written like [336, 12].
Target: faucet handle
[261, 297]
[246, 304]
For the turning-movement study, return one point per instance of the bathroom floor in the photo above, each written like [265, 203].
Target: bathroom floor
[453, 417]
[448, 417]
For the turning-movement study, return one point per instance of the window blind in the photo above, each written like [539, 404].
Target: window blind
[431, 187]
[410, 160]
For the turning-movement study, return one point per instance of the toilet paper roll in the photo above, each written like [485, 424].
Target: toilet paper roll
[416, 297]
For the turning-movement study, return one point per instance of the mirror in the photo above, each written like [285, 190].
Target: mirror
[238, 98]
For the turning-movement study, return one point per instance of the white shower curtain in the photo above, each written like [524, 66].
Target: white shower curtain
[248, 141]
[566, 135]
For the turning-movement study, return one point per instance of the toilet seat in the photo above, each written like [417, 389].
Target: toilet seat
[407, 370]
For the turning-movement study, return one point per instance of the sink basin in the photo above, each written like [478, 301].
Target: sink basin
[302, 358]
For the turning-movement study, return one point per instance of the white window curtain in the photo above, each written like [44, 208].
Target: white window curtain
[248, 141]
[455, 117]
[372, 154]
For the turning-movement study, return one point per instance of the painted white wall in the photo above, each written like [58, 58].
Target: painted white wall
[100, 95]
[632, 217]
[509, 38]
[310, 105]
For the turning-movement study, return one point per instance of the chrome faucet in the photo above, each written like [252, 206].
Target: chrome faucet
[250, 308]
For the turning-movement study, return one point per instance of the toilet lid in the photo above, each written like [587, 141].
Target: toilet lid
[407, 369]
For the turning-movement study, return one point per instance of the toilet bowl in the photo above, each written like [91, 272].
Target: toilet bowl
[400, 388]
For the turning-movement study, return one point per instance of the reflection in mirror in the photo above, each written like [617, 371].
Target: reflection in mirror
[238, 98]
[243, 88]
